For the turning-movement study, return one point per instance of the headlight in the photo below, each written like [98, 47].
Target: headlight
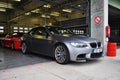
[76, 44]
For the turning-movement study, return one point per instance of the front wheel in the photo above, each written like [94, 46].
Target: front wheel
[62, 54]
[25, 49]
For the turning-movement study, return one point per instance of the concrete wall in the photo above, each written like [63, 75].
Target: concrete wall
[99, 8]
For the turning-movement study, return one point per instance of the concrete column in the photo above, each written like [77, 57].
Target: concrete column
[99, 20]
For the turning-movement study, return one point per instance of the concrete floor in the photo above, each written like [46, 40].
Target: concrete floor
[16, 66]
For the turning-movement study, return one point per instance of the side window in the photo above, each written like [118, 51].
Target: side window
[32, 32]
[40, 32]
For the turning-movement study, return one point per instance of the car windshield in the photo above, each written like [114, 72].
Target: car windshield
[17, 34]
[60, 31]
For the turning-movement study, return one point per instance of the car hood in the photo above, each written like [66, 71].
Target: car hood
[76, 38]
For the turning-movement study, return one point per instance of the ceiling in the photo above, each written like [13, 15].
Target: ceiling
[48, 7]
[115, 3]
[37, 10]
[20, 7]
[114, 9]
[15, 4]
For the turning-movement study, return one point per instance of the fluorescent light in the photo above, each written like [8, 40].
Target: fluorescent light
[25, 28]
[20, 28]
[28, 13]
[67, 10]
[2, 9]
[5, 5]
[50, 24]
[47, 6]
[20, 31]
[15, 27]
[44, 16]
[35, 11]
[17, 0]
[55, 14]
[79, 5]
[1, 27]
[25, 31]
[15, 30]
[1, 31]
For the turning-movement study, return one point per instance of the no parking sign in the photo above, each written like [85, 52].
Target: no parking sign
[97, 19]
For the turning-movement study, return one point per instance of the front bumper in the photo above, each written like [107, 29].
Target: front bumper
[78, 54]
[17, 44]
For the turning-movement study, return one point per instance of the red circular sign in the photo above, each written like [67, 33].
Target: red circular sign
[97, 19]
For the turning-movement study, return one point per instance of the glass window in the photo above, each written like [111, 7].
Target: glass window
[15, 30]
[1, 31]
[26, 31]
[40, 31]
[25, 28]
[1, 27]
[30, 28]
[21, 28]
[15, 27]
[21, 31]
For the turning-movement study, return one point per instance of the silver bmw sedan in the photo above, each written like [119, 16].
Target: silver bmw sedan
[62, 44]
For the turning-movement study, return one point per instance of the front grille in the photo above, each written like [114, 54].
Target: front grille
[96, 55]
[99, 44]
[95, 45]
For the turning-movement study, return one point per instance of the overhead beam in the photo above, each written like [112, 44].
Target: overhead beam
[115, 3]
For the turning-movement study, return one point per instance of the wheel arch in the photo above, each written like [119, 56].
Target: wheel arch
[61, 43]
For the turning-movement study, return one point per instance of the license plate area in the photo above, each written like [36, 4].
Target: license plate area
[98, 50]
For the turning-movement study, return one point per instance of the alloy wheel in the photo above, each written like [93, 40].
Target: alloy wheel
[61, 54]
[24, 47]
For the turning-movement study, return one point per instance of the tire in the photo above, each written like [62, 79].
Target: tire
[61, 54]
[25, 49]
[12, 46]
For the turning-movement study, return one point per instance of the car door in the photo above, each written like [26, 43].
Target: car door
[41, 41]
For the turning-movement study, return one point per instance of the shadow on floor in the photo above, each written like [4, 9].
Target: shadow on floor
[13, 59]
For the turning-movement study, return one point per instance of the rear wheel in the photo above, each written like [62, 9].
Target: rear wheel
[2, 43]
[62, 54]
[25, 49]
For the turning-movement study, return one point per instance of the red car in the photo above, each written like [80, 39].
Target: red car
[12, 40]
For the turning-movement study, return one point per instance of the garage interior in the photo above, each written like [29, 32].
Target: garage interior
[114, 17]
[23, 15]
